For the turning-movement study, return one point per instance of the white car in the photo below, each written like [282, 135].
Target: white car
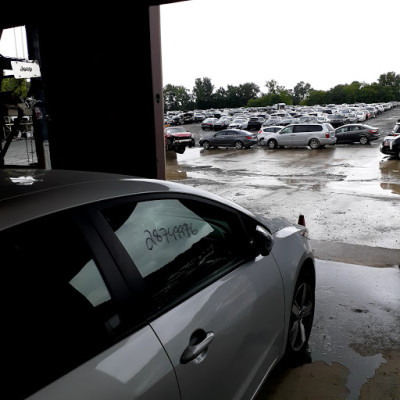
[361, 116]
[301, 135]
[264, 132]
[239, 123]
[123, 288]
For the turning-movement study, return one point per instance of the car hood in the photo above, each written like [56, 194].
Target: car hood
[179, 134]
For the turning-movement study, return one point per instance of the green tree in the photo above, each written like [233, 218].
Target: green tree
[316, 97]
[273, 87]
[391, 80]
[175, 98]
[203, 93]
[300, 92]
[19, 87]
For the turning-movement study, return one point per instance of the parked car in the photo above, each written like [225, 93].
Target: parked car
[391, 146]
[288, 120]
[352, 133]
[133, 289]
[254, 123]
[198, 117]
[361, 116]
[222, 123]
[396, 129]
[265, 131]
[352, 118]
[300, 135]
[337, 119]
[208, 123]
[272, 120]
[177, 138]
[239, 123]
[175, 120]
[229, 138]
[373, 112]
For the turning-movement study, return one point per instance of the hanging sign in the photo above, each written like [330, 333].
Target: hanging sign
[23, 69]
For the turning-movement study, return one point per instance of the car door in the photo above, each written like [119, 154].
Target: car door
[285, 137]
[71, 330]
[300, 135]
[354, 133]
[220, 138]
[342, 134]
[216, 308]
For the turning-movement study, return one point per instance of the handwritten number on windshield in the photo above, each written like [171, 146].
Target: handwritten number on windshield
[162, 235]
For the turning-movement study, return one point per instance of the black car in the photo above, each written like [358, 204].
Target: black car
[391, 146]
[337, 120]
[360, 133]
[255, 123]
[208, 123]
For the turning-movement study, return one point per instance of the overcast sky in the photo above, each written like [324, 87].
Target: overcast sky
[239, 41]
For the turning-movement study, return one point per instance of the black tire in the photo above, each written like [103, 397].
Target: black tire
[314, 144]
[364, 140]
[239, 145]
[261, 142]
[301, 315]
[272, 144]
[206, 145]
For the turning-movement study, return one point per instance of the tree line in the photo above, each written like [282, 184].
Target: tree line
[204, 95]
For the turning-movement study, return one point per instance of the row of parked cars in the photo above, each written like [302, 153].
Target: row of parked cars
[315, 131]
[300, 135]
[253, 119]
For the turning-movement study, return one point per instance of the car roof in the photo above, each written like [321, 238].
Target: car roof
[26, 194]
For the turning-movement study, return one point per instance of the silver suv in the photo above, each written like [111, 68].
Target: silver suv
[300, 135]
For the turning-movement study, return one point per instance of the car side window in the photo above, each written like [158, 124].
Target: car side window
[178, 245]
[59, 311]
[288, 129]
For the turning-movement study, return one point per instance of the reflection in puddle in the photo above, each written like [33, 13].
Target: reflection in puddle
[360, 368]
[173, 171]
[395, 188]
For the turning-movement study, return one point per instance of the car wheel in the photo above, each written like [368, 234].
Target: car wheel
[364, 140]
[206, 145]
[314, 143]
[302, 315]
[239, 145]
[272, 144]
[261, 142]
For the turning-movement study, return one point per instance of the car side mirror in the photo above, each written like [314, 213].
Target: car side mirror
[262, 241]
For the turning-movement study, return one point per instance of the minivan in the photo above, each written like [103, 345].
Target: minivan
[300, 135]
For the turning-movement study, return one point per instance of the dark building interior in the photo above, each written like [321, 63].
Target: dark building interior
[101, 84]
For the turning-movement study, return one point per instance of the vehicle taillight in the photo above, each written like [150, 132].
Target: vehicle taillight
[249, 137]
[327, 135]
[260, 131]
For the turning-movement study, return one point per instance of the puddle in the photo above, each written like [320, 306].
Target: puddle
[360, 368]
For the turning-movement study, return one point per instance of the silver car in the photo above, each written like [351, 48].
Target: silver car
[301, 135]
[128, 288]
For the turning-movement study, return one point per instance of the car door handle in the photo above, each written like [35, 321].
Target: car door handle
[199, 342]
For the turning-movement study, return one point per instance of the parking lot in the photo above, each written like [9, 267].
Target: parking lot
[350, 196]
